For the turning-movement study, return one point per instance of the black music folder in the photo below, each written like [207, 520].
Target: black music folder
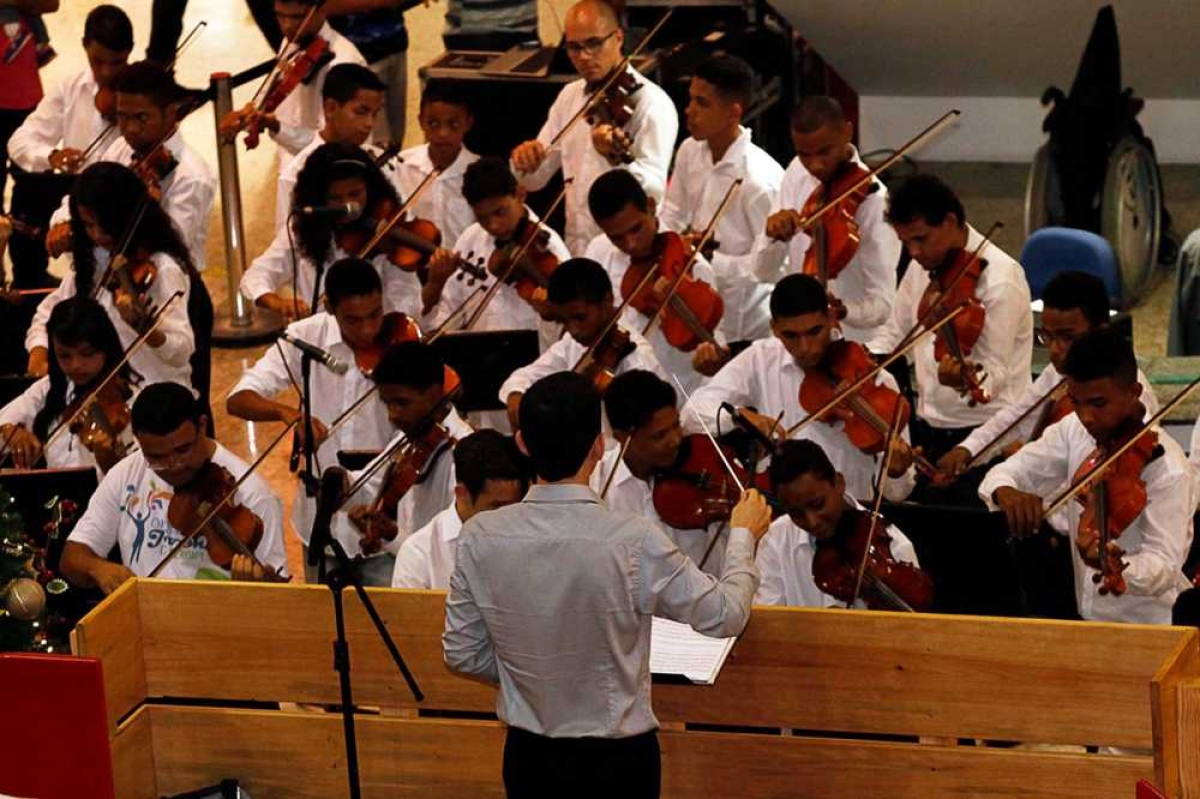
[484, 360]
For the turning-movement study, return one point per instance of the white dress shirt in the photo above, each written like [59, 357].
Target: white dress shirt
[1004, 349]
[765, 376]
[65, 118]
[286, 265]
[694, 194]
[785, 561]
[367, 428]
[1155, 544]
[634, 496]
[171, 361]
[426, 558]
[552, 600]
[130, 509]
[867, 286]
[653, 128]
[566, 352]
[442, 202]
[301, 114]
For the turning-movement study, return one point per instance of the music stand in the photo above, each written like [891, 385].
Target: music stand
[484, 360]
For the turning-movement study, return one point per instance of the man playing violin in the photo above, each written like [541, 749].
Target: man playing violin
[130, 507]
[581, 296]
[1149, 553]
[930, 221]
[351, 325]
[763, 385]
[816, 506]
[865, 288]
[594, 43]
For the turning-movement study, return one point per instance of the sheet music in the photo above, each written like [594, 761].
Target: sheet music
[678, 649]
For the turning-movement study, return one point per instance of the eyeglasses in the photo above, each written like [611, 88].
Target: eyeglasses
[590, 46]
[1046, 337]
[173, 458]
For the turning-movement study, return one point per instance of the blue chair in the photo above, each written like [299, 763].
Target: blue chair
[1056, 249]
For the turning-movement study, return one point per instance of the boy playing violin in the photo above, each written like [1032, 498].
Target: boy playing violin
[130, 509]
[1146, 557]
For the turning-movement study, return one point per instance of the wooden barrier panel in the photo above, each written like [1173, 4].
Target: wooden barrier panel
[114, 636]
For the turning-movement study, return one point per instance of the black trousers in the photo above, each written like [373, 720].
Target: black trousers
[537, 767]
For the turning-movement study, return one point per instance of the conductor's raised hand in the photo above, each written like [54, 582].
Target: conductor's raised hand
[752, 513]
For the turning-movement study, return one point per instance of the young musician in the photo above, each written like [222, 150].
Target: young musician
[720, 151]
[633, 233]
[1102, 379]
[130, 507]
[644, 418]
[335, 175]
[411, 379]
[55, 137]
[148, 118]
[865, 289]
[555, 591]
[930, 221]
[490, 473]
[351, 99]
[110, 207]
[581, 297]
[594, 43]
[445, 119]
[817, 508]
[498, 203]
[85, 348]
[350, 326]
[763, 384]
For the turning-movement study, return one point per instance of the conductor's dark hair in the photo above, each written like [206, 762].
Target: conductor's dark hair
[797, 295]
[815, 112]
[489, 455]
[634, 397]
[1074, 289]
[1100, 353]
[148, 80]
[445, 91]
[162, 408]
[351, 277]
[559, 420]
[344, 81]
[579, 279]
[797, 457]
[412, 364]
[109, 27]
[614, 190]
[487, 178]
[925, 197]
[732, 77]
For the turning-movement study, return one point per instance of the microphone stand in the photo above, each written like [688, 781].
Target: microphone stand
[310, 477]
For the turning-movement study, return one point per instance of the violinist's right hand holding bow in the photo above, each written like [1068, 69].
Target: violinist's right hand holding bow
[752, 513]
[528, 156]
[238, 120]
[58, 240]
[287, 308]
[375, 528]
[39, 362]
[783, 225]
[1022, 510]
[23, 444]
[954, 463]
[66, 161]
[708, 358]
[766, 425]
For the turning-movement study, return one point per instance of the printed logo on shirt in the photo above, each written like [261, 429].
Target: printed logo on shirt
[153, 534]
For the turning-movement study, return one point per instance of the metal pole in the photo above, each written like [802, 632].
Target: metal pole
[242, 324]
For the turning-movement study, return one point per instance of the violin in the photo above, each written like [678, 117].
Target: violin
[613, 105]
[836, 235]
[106, 103]
[98, 420]
[600, 362]
[692, 311]
[131, 278]
[397, 328]
[954, 286]
[698, 490]
[154, 168]
[525, 261]
[1114, 500]
[887, 584]
[407, 243]
[1058, 406]
[303, 67]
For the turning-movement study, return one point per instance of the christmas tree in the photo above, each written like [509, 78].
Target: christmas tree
[25, 582]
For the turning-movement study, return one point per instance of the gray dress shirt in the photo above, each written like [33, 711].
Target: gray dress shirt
[551, 599]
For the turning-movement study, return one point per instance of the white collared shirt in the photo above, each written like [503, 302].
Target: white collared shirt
[867, 286]
[630, 494]
[673, 359]
[65, 118]
[442, 202]
[130, 509]
[694, 194]
[566, 352]
[785, 561]
[1004, 349]
[766, 377]
[1155, 544]
[367, 428]
[653, 128]
[426, 558]
[301, 113]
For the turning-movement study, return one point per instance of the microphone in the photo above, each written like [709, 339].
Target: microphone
[746, 425]
[323, 357]
[24, 598]
[338, 209]
[329, 499]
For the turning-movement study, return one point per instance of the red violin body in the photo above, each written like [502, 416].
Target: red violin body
[886, 584]
[410, 466]
[599, 364]
[192, 503]
[408, 243]
[615, 107]
[302, 68]
[154, 168]
[532, 270]
[868, 412]
[953, 287]
[698, 490]
[836, 235]
[695, 308]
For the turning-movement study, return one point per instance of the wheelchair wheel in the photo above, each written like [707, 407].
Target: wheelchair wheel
[1043, 200]
[1131, 215]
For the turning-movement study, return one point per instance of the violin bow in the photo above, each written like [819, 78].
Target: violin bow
[900, 352]
[1042, 401]
[877, 503]
[259, 93]
[705, 237]
[123, 244]
[704, 426]
[386, 228]
[512, 266]
[215, 509]
[130, 351]
[616, 465]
